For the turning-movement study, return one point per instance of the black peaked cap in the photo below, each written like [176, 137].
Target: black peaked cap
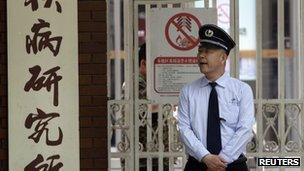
[210, 34]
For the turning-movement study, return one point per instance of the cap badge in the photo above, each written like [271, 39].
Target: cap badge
[209, 33]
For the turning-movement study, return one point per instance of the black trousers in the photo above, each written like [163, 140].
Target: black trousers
[238, 165]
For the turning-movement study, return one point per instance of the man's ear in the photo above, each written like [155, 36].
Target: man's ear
[224, 57]
[143, 62]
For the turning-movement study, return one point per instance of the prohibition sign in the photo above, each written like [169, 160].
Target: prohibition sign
[188, 41]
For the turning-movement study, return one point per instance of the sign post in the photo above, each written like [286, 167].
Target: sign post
[172, 40]
[43, 85]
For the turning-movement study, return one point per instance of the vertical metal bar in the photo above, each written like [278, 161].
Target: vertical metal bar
[117, 42]
[127, 59]
[135, 83]
[281, 69]
[108, 88]
[109, 127]
[149, 131]
[259, 116]
[128, 11]
[128, 87]
[127, 78]
[171, 137]
[281, 50]
[108, 49]
[301, 58]
[259, 55]
[296, 40]
[236, 37]
[301, 123]
[149, 137]
[232, 34]
[301, 71]
[117, 61]
[160, 122]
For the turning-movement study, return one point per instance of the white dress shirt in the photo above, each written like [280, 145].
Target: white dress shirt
[236, 109]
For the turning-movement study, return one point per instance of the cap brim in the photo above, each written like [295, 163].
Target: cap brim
[214, 43]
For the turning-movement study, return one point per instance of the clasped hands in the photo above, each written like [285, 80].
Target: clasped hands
[214, 162]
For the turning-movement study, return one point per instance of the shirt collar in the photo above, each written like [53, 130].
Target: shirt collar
[220, 81]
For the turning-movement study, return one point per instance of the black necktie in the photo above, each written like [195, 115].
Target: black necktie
[214, 144]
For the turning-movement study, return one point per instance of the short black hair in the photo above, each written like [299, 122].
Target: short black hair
[142, 53]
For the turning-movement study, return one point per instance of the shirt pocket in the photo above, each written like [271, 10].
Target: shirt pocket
[229, 114]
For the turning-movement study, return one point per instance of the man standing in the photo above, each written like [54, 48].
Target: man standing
[142, 94]
[216, 112]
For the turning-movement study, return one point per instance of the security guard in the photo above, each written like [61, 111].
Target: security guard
[216, 112]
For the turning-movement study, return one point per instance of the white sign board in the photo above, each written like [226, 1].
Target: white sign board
[172, 41]
[43, 85]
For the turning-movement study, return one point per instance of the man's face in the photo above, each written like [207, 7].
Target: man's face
[142, 68]
[211, 60]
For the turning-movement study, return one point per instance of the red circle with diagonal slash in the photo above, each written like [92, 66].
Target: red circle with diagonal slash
[193, 41]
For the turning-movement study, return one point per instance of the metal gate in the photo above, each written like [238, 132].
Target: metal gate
[278, 84]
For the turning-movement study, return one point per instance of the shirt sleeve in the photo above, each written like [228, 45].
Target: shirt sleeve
[243, 132]
[192, 144]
